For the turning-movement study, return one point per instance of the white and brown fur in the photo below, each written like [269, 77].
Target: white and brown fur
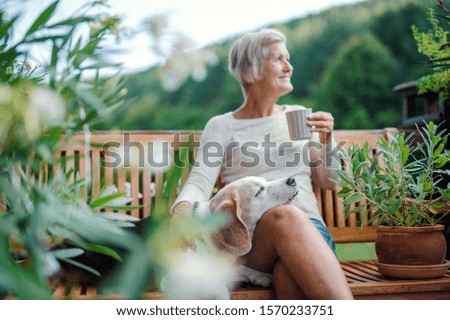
[244, 201]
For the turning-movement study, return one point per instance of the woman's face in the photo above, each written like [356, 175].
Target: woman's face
[277, 70]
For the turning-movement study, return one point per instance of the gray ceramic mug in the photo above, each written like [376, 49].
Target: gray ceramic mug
[296, 120]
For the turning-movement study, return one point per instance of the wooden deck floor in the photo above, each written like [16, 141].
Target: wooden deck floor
[367, 283]
[363, 277]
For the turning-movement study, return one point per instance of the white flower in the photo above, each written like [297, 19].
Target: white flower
[204, 273]
[48, 106]
[186, 61]
[96, 26]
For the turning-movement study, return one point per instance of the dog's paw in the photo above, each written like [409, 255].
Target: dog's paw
[263, 279]
[255, 277]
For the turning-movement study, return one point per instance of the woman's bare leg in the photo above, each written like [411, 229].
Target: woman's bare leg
[285, 286]
[285, 233]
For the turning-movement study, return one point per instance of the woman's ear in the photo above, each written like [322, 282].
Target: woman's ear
[233, 236]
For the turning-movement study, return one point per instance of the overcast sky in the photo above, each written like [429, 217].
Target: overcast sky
[204, 21]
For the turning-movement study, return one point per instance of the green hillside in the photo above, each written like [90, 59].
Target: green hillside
[346, 60]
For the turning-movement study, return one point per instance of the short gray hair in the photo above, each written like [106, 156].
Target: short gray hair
[247, 54]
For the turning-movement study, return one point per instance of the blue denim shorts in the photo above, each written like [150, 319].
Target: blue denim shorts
[325, 234]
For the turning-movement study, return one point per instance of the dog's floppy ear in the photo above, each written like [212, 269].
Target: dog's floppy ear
[234, 236]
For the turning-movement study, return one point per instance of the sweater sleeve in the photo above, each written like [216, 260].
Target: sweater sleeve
[208, 163]
[324, 161]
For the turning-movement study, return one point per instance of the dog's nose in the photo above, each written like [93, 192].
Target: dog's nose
[291, 181]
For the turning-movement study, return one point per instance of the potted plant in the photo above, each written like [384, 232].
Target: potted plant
[394, 185]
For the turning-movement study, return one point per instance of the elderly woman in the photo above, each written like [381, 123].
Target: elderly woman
[291, 241]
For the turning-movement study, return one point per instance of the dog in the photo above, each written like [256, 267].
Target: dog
[244, 201]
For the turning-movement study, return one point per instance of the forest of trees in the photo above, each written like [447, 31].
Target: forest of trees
[346, 61]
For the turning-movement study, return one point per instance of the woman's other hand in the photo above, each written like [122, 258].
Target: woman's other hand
[182, 208]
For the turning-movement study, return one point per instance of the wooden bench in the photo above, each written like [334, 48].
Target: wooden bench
[147, 187]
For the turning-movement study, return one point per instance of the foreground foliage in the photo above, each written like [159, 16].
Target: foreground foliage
[47, 214]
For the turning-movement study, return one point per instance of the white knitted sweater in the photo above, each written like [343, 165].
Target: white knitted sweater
[232, 148]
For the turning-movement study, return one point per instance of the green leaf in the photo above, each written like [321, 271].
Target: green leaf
[383, 177]
[344, 192]
[75, 49]
[344, 179]
[121, 208]
[373, 218]
[394, 206]
[4, 29]
[359, 209]
[399, 216]
[42, 19]
[405, 154]
[71, 22]
[82, 266]
[440, 162]
[117, 216]
[67, 253]
[438, 150]
[44, 38]
[109, 199]
[445, 193]
[103, 250]
[124, 224]
[353, 198]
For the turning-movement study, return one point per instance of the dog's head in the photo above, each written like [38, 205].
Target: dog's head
[244, 201]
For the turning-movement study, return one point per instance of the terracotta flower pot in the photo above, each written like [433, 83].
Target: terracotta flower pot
[411, 252]
[411, 245]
